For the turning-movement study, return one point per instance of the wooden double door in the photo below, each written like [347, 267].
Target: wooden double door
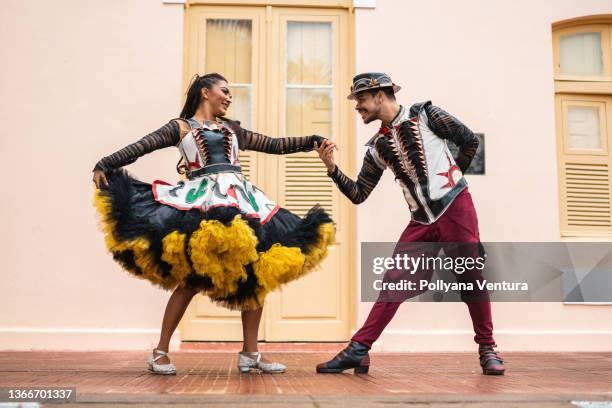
[288, 71]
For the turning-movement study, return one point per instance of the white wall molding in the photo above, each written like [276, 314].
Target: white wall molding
[82, 339]
[399, 340]
[356, 3]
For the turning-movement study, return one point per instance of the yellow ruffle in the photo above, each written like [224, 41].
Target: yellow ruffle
[318, 251]
[220, 253]
[280, 265]
[174, 254]
[139, 246]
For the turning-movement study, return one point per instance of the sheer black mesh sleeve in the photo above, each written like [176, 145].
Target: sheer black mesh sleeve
[368, 178]
[166, 136]
[448, 127]
[249, 140]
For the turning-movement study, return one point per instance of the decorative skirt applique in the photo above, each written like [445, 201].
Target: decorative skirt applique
[227, 189]
[217, 234]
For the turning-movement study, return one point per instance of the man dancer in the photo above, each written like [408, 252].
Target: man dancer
[412, 143]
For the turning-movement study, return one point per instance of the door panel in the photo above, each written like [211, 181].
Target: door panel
[310, 79]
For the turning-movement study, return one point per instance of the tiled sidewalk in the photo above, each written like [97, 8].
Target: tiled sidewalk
[209, 374]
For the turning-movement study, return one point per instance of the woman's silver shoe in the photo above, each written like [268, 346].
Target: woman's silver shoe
[166, 369]
[246, 361]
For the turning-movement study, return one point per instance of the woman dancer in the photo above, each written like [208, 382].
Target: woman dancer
[214, 233]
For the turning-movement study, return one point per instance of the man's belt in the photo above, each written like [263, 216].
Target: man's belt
[214, 168]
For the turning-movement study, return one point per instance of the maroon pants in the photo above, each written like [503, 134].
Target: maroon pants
[458, 224]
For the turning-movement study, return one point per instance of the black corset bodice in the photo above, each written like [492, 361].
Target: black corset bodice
[215, 146]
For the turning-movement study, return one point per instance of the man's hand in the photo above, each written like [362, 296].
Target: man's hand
[326, 153]
[99, 178]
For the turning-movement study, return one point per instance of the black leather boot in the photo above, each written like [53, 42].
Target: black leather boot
[355, 355]
[491, 363]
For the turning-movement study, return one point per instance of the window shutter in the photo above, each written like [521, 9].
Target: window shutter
[584, 164]
[246, 161]
[587, 196]
[307, 184]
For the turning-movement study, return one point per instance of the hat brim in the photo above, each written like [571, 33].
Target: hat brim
[396, 89]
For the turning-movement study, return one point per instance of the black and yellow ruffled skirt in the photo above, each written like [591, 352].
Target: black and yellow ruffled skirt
[232, 258]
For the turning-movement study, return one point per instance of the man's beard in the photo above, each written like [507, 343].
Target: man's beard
[371, 117]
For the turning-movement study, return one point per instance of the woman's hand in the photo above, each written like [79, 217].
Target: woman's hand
[99, 179]
[326, 153]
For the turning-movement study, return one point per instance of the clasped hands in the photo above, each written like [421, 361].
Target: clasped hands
[326, 153]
